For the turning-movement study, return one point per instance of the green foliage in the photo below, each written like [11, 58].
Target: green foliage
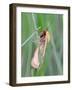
[53, 61]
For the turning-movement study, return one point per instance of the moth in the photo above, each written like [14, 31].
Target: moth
[44, 38]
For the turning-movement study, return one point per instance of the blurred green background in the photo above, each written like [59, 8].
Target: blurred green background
[53, 64]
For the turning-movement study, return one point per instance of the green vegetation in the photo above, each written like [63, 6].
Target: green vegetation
[53, 61]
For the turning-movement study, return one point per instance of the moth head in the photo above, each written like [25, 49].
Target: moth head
[44, 35]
